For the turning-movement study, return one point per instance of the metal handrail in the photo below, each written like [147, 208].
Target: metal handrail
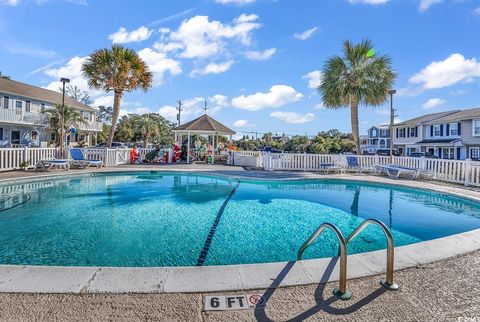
[388, 282]
[341, 292]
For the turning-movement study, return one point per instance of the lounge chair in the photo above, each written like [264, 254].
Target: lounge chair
[47, 164]
[79, 160]
[396, 171]
[352, 163]
[327, 167]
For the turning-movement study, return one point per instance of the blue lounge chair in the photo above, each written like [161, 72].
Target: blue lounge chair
[352, 163]
[79, 160]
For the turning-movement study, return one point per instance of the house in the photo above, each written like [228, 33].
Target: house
[447, 135]
[454, 136]
[23, 123]
[378, 138]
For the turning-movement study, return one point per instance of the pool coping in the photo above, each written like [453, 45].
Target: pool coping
[65, 279]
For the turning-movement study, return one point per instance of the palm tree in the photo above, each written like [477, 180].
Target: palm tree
[116, 70]
[358, 78]
[147, 126]
[72, 117]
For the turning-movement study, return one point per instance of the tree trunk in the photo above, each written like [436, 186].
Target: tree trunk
[354, 119]
[117, 99]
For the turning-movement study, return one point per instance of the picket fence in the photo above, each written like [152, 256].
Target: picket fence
[17, 158]
[465, 172]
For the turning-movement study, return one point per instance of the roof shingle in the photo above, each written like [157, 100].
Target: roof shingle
[205, 123]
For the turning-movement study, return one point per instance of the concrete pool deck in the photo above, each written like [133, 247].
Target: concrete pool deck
[264, 277]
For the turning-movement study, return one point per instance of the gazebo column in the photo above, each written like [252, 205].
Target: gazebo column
[213, 149]
[188, 147]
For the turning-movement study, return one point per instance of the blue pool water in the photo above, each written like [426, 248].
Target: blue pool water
[160, 219]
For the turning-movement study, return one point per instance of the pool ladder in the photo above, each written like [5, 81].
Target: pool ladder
[342, 291]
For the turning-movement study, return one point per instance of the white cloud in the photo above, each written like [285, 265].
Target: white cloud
[159, 64]
[240, 123]
[198, 37]
[28, 50]
[73, 71]
[219, 100]
[292, 117]
[477, 11]
[212, 68]
[261, 55]
[319, 106]
[237, 2]
[190, 108]
[448, 72]
[433, 102]
[277, 96]
[10, 2]
[314, 79]
[306, 34]
[106, 100]
[374, 2]
[122, 36]
[425, 4]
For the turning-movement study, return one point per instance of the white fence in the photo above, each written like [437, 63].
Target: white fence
[16, 158]
[457, 171]
[464, 172]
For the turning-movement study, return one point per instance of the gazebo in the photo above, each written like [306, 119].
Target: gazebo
[203, 125]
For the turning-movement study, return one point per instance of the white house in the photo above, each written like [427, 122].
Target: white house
[23, 123]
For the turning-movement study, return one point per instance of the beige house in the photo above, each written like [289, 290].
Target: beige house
[23, 123]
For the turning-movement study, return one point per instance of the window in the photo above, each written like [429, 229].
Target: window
[15, 138]
[436, 130]
[374, 132]
[86, 115]
[1, 134]
[5, 102]
[27, 106]
[401, 133]
[383, 132]
[34, 135]
[1, 102]
[18, 105]
[476, 127]
[448, 153]
[35, 107]
[475, 153]
[413, 132]
[453, 129]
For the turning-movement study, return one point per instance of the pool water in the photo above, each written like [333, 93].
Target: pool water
[164, 219]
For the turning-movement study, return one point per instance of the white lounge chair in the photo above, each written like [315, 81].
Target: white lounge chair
[47, 164]
[352, 163]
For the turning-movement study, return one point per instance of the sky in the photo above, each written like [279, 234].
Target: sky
[256, 62]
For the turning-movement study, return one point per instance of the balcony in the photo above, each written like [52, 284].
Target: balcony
[40, 119]
[91, 126]
[21, 117]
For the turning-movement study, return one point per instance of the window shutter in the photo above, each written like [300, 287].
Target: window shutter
[431, 130]
[459, 128]
[416, 132]
[408, 132]
[396, 132]
[441, 129]
[448, 130]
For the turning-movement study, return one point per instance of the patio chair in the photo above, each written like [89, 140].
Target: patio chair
[79, 160]
[47, 164]
[352, 163]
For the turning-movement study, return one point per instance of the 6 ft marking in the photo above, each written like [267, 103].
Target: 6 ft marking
[233, 302]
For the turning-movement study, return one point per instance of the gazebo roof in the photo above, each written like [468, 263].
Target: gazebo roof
[204, 124]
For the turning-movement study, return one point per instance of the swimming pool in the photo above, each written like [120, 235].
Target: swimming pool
[176, 219]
